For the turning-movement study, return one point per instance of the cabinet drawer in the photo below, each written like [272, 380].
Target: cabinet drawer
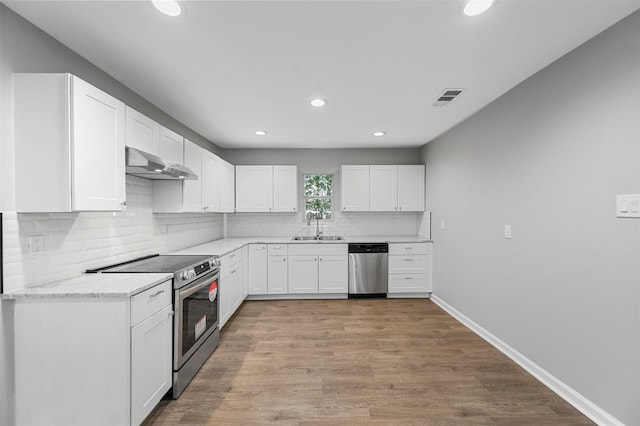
[408, 283]
[231, 259]
[277, 249]
[150, 301]
[410, 264]
[410, 248]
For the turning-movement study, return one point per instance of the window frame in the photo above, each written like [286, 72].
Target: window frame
[325, 197]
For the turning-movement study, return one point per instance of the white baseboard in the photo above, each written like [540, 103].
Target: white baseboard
[588, 408]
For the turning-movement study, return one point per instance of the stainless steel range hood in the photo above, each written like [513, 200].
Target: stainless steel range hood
[149, 166]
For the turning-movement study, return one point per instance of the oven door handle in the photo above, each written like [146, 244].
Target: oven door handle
[190, 289]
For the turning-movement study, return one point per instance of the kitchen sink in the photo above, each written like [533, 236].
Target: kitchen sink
[320, 238]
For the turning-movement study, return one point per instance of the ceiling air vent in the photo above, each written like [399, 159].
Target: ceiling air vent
[447, 96]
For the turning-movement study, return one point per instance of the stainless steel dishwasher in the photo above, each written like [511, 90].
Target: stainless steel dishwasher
[368, 269]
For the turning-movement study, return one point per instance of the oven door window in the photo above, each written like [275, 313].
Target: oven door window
[199, 316]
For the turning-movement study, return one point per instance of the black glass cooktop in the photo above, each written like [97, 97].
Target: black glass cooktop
[164, 263]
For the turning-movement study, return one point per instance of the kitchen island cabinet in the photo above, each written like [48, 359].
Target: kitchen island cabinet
[69, 139]
[93, 358]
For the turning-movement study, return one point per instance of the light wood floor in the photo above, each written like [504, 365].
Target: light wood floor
[359, 362]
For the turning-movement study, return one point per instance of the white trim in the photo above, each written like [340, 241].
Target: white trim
[573, 397]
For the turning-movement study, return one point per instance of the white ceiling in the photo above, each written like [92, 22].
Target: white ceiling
[228, 68]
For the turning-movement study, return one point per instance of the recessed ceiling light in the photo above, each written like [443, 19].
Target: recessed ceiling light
[476, 7]
[168, 7]
[379, 133]
[318, 102]
[261, 133]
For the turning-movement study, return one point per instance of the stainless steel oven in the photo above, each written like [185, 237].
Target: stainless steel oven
[195, 304]
[196, 332]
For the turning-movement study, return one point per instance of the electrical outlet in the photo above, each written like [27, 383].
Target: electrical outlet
[507, 231]
[36, 245]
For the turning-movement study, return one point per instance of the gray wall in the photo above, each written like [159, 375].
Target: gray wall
[321, 160]
[549, 158]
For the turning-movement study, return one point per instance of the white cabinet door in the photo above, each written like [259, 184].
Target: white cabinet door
[192, 189]
[411, 188]
[171, 146]
[210, 182]
[142, 132]
[285, 188]
[254, 188]
[151, 368]
[227, 187]
[303, 274]
[383, 193]
[98, 179]
[81, 165]
[236, 291]
[257, 269]
[277, 277]
[355, 188]
[333, 274]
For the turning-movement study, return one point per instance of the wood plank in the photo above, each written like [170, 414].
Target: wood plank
[359, 362]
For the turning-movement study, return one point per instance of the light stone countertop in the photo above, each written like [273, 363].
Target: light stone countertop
[227, 245]
[93, 286]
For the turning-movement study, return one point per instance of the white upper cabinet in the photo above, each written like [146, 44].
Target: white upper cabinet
[383, 188]
[69, 145]
[192, 196]
[266, 188]
[227, 187]
[210, 182]
[142, 132]
[171, 146]
[411, 190]
[285, 188]
[212, 192]
[355, 188]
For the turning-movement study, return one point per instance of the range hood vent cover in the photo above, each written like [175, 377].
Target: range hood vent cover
[149, 166]
[447, 96]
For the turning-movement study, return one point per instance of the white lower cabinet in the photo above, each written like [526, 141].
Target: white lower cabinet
[333, 273]
[150, 373]
[318, 268]
[257, 269]
[98, 360]
[231, 285]
[409, 270]
[303, 274]
[277, 270]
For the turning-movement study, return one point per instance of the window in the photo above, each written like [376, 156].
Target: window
[318, 196]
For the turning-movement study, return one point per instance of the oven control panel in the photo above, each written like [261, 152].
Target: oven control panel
[191, 273]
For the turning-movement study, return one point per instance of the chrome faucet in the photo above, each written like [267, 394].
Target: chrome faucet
[315, 216]
[318, 231]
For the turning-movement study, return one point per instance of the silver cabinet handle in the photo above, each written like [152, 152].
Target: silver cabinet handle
[408, 248]
[408, 260]
[408, 278]
[156, 294]
[171, 314]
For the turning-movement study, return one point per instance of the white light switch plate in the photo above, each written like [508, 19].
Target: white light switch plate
[507, 231]
[628, 205]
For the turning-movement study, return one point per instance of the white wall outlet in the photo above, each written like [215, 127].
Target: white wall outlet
[36, 245]
[507, 231]
[628, 205]
[442, 224]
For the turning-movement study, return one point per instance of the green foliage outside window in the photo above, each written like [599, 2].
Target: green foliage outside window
[318, 191]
